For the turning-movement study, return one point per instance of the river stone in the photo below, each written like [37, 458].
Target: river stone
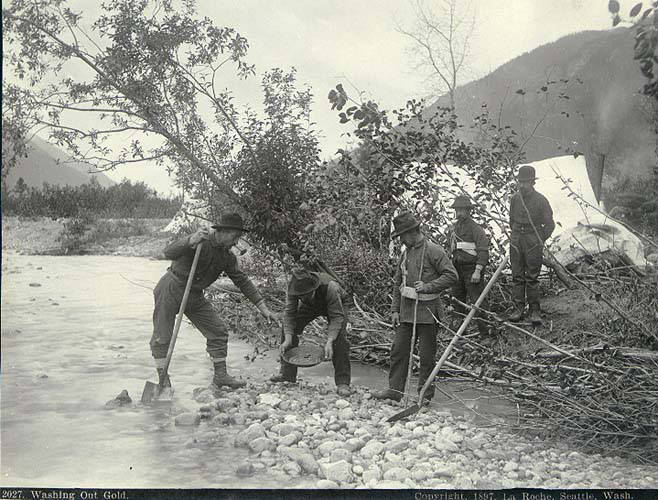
[303, 458]
[290, 439]
[122, 399]
[346, 414]
[206, 412]
[396, 474]
[420, 474]
[327, 447]
[438, 484]
[237, 419]
[341, 403]
[245, 469]
[389, 485]
[269, 399]
[339, 454]
[397, 445]
[254, 431]
[425, 449]
[510, 466]
[357, 469]
[442, 444]
[354, 444]
[372, 473]
[187, 419]
[325, 484]
[204, 396]
[292, 468]
[223, 404]
[261, 444]
[282, 429]
[340, 471]
[371, 449]
[284, 405]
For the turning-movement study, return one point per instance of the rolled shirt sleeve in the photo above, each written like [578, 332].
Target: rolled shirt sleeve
[242, 281]
[481, 245]
[444, 268]
[335, 311]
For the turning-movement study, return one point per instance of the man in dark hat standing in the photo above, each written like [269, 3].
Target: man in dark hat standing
[531, 222]
[469, 251]
[311, 295]
[215, 258]
[422, 272]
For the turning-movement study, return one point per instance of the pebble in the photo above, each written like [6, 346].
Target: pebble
[187, 419]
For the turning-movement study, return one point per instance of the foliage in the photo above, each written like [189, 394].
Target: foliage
[645, 23]
[122, 200]
[74, 235]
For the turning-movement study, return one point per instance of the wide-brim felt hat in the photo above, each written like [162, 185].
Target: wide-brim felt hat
[462, 201]
[231, 221]
[526, 173]
[302, 282]
[403, 223]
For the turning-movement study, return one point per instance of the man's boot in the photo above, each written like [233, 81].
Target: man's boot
[280, 377]
[223, 379]
[387, 394]
[535, 315]
[167, 382]
[517, 315]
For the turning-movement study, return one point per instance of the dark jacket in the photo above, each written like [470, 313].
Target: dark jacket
[213, 260]
[327, 301]
[539, 212]
[438, 274]
[467, 232]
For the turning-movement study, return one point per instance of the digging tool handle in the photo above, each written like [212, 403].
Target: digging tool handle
[179, 317]
[463, 327]
[407, 384]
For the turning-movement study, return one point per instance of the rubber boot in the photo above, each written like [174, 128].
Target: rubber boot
[223, 379]
[535, 315]
[517, 315]
[167, 382]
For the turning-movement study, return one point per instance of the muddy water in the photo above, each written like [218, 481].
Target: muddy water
[75, 333]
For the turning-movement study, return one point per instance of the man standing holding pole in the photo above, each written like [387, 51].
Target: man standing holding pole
[423, 271]
[215, 258]
[469, 251]
[531, 222]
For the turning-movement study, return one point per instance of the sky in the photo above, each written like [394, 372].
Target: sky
[354, 42]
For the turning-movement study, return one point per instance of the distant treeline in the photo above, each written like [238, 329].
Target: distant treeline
[123, 200]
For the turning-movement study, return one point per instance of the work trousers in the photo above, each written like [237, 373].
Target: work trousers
[526, 253]
[426, 337]
[341, 359]
[468, 292]
[168, 295]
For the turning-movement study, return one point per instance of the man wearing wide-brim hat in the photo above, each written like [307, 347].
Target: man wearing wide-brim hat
[469, 252]
[310, 295]
[215, 258]
[423, 271]
[531, 223]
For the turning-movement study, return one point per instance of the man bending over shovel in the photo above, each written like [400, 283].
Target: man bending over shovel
[215, 258]
[311, 295]
[423, 271]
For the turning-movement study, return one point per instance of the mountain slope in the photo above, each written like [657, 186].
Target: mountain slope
[602, 116]
[41, 166]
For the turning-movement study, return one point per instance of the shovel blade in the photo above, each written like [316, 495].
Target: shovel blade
[152, 393]
[404, 413]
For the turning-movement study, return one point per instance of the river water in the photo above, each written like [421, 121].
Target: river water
[75, 332]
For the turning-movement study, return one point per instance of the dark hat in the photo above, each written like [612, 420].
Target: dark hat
[302, 282]
[526, 173]
[462, 201]
[230, 221]
[404, 222]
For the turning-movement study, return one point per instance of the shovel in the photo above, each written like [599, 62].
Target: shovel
[157, 391]
[415, 408]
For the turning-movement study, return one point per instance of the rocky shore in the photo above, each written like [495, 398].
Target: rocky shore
[306, 431]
